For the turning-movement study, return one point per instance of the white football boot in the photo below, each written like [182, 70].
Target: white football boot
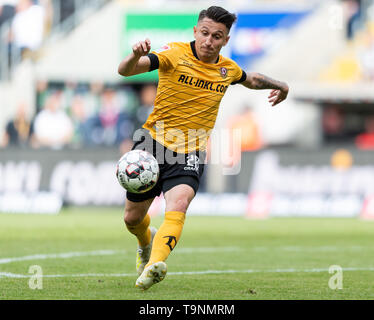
[144, 253]
[155, 273]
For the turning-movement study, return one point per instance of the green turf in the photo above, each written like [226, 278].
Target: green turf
[289, 246]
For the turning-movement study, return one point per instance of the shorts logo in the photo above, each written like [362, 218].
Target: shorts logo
[223, 72]
[193, 162]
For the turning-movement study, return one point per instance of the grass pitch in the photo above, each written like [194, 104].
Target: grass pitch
[88, 254]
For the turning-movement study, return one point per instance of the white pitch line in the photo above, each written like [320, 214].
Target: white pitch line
[12, 275]
[83, 275]
[68, 255]
[312, 249]
[324, 248]
[217, 249]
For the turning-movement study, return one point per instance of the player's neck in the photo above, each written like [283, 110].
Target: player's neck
[210, 60]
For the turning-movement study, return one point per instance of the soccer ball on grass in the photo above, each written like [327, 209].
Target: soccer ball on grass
[137, 171]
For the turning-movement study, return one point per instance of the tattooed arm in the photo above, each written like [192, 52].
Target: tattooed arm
[259, 81]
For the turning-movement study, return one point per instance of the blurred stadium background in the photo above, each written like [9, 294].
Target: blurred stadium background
[67, 116]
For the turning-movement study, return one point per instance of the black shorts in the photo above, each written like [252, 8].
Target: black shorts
[175, 168]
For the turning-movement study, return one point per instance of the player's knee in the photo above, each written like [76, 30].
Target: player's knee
[132, 221]
[132, 217]
[179, 198]
[181, 204]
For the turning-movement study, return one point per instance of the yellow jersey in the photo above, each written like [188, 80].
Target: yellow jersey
[188, 96]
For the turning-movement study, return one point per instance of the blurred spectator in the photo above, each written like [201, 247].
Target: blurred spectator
[105, 122]
[7, 10]
[147, 100]
[135, 112]
[70, 89]
[18, 130]
[27, 26]
[333, 124]
[249, 139]
[125, 126]
[250, 135]
[81, 128]
[128, 99]
[113, 120]
[100, 115]
[365, 141]
[109, 115]
[52, 127]
[41, 94]
[93, 98]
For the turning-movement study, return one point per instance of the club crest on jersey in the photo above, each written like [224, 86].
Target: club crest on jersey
[223, 72]
[163, 48]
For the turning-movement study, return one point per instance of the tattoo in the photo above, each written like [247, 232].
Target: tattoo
[260, 81]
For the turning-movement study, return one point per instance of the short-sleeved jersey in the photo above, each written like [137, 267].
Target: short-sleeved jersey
[188, 96]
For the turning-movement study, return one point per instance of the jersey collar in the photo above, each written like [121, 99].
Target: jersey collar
[193, 48]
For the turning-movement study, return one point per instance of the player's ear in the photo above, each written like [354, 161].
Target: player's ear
[227, 40]
[194, 31]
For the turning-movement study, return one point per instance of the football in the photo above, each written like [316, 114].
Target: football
[137, 171]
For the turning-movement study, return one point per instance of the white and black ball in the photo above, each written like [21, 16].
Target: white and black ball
[137, 171]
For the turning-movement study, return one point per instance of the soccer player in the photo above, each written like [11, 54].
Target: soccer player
[193, 78]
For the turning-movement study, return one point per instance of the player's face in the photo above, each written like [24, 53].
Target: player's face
[210, 37]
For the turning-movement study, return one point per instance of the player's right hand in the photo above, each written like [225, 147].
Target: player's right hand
[142, 48]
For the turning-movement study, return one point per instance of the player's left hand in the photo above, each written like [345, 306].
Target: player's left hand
[277, 96]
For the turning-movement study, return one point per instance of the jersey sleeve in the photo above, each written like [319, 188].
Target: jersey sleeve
[165, 58]
[239, 74]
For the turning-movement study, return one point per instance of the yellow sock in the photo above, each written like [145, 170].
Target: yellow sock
[167, 236]
[142, 231]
